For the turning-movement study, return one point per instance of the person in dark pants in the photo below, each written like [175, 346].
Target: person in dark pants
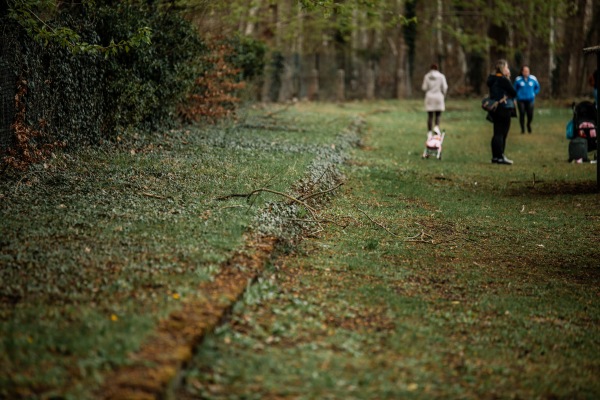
[501, 90]
[527, 87]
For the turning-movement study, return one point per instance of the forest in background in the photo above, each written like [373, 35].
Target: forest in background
[82, 72]
[382, 48]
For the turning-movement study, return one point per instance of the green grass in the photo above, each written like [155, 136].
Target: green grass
[95, 244]
[483, 284]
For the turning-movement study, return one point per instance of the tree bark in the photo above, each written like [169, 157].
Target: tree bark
[499, 36]
[439, 36]
[571, 56]
[341, 86]
[251, 23]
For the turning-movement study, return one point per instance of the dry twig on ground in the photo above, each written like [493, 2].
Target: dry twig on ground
[256, 191]
[298, 200]
[310, 196]
[378, 224]
[155, 196]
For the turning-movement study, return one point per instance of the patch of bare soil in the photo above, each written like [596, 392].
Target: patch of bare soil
[153, 369]
[543, 188]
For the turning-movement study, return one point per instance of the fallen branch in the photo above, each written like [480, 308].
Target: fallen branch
[420, 234]
[231, 196]
[256, 191]
[323, 174]
[155, 196]
[378, 224]
[420, 237]
[320, 193]
[301, 201]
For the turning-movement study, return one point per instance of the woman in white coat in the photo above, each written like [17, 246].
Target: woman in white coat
[435, 88]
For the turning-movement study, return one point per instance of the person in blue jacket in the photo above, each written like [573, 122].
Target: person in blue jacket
[527, 87]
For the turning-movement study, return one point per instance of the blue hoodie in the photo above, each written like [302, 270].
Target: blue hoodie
[527, 89]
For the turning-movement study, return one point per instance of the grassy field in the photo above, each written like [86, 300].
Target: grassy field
[441, 279]
[97, 245]
[444, 279]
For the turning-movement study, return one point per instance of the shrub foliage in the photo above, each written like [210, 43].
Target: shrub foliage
[26, 149]
[85, 97]
[214, 95]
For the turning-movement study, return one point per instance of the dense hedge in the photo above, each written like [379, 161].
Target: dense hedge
[86, 98]
[64, 91]
[145, 85]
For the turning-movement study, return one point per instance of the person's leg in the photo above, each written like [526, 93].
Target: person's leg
[501, 128]
[521, 105]
[497, 143]
[438, 114]
[529, 110]
[429, 120]
[498, 138]
[506, 128]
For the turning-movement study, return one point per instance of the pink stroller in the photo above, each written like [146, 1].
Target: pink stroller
[433, 144]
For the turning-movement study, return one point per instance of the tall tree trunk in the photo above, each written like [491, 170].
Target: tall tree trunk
[252, 13]
[284, 12]
[551, 54]
[499, 36]
[410, 37]
[592, 39]
[399, 54]
[571, 55]
[578, 78]
[439, 36]
[299, 43]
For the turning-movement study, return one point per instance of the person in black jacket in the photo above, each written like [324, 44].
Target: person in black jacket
[502, 90]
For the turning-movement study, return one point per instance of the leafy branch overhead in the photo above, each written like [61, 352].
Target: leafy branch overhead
[35, 17]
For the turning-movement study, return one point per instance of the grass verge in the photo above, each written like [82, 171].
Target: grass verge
[97, 246]
[451, 279]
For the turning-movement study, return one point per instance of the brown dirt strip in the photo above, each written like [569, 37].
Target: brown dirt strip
[154, 369]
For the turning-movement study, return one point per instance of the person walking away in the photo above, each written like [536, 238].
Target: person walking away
[435, 88]
[527, 87]
[501, 90]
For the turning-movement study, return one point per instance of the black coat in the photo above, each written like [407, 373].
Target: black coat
[500, 86]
